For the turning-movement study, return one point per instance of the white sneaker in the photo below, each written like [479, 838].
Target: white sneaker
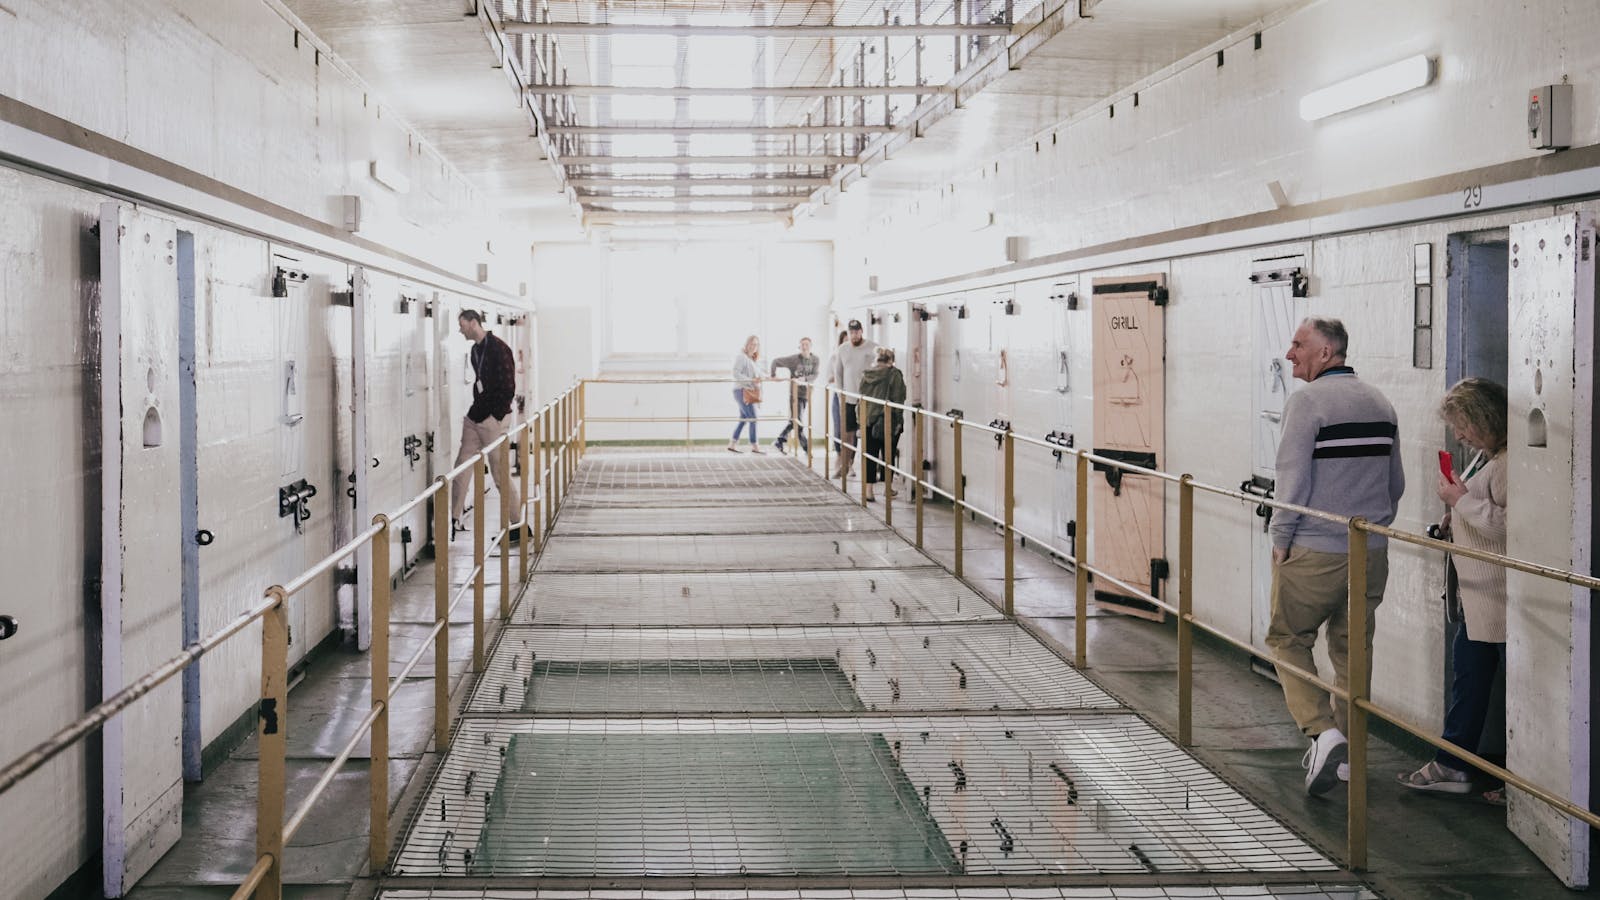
[1322, 760]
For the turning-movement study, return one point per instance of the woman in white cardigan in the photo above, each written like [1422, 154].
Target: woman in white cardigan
[1476, 410]
[746, 392]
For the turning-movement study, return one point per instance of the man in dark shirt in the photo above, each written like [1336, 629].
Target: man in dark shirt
[802, 368]
[494, 386]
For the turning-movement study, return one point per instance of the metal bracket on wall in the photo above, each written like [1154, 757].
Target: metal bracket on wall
[1142, 459]
[1003, 425]
[344, 298]
[1060, 439]
[283, 277]
[292, 502]
[413, 450]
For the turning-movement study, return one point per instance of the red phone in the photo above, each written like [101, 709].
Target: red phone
[1447, 466]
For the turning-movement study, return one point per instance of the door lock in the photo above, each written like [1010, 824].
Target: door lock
[1260, 486]
[8, 626]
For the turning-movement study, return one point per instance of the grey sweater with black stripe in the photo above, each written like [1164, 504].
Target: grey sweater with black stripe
[1340, 452]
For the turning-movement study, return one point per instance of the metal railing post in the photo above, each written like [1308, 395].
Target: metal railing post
[549, 468]
[688, 417]
[961, 496]
[504, 459]
[378, 772]
[1010, 526]
[794, 415]
[827, 432]
[888, 459]
[861, 447]
[272, 732]
[441, 610]
[916, 469]
[1359, 673]
[478, 540]
[810, 420]
[583, 418]
[1080, 567]
[1185, 607]
[523, 456]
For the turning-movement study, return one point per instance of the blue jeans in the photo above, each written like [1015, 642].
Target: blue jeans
[1476, 663]
[800, 417]
[747, 416]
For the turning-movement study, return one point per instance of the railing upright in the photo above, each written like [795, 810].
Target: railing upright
[548, 467]
[1010, 523]
[827, 432]
[378, 771]
[503, 460]
[961, 497]
[888, 460]
[523, 532]
[1185, 606]
[478, 538]
[1080, 567]
[272, 733]
[916, 468]
[441, 610]
[861, 446]
[1358, 669]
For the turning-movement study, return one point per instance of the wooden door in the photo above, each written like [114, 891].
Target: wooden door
[1129, 425]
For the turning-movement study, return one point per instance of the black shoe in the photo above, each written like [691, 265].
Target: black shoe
[514, 536]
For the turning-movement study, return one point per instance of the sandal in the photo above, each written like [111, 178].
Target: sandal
[1496, 797]
[1437, 778]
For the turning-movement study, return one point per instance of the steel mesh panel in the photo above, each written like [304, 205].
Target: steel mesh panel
[759, 670]
[1098, 892]
[708, 472]
[817, 493]
[1055, 794]
[738, 598]
[691, 553]
[732, 519]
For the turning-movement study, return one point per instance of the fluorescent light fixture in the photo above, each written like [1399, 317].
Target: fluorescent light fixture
[389, 176]
[1396, 78]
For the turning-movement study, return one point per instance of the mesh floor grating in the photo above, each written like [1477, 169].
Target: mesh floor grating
[778, 670]
[763, 519]
[1108, 892]
[870, 795]
[689, 553]
[739, 598]
[816, 493]
[693, 472]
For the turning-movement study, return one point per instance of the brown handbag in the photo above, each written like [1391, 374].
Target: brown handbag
[752, 396]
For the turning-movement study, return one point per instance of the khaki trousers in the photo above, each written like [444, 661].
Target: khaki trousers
[474, 437]
[1309, 589]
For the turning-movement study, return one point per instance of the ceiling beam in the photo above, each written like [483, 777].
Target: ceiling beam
[606, 29]
[583, 182]
[808, 90]
[595, 130]
[755, 160]
[670, 205]
[668, 217]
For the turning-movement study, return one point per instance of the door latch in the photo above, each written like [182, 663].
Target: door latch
[292, 502]
[1260, 486]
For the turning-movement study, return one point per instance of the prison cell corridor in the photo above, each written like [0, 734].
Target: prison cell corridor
[724, 675]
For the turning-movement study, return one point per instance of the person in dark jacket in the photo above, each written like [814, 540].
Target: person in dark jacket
[882, 382]
[802, 368]
[494, 385]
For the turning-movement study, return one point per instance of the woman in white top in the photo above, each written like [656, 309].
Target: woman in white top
[746, 392]
[1475, 409]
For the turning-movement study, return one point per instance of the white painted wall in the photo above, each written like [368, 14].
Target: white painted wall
[1200, 148]
[227, 91]
[792, 292]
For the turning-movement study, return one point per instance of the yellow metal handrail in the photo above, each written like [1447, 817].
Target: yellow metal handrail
[1357, 695]
[561, 447]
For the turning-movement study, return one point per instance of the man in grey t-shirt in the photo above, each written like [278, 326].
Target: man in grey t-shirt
[1340, 452]
[850, 362]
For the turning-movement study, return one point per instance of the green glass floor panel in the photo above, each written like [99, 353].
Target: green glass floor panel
[680, 804]
[660, 685]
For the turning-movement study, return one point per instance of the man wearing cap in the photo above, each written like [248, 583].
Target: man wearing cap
[850, 362]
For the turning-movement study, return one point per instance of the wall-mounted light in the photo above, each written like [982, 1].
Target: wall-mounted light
[1396, 78]
[389, 176]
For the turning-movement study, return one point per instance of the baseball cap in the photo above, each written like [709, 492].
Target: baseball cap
[855, 324]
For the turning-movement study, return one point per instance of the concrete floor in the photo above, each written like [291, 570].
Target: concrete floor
[1421, 847]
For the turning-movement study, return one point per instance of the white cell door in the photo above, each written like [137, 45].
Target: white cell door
[1549, 520]
[1274, 318]
[141, 566]
[919, 373]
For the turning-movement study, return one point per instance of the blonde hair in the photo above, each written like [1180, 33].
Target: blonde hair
[752, 339]
[1481, 405]
[885, 355]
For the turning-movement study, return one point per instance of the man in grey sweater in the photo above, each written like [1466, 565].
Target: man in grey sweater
[1340, 452]
[850, 362]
